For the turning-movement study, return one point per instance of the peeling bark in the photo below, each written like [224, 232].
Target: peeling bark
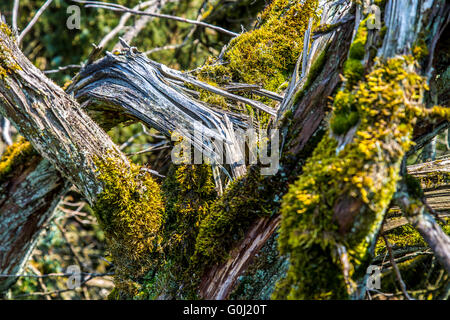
[27, 202]
[120, 85]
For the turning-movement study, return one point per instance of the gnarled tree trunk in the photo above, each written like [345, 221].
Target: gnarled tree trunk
[77, 151]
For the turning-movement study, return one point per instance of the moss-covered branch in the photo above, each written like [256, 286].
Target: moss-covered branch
[126, 200]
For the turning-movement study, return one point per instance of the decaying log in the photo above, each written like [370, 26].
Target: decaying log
[403, 29]
[54, 123]
[307, 122]
[27, 201]
[130, 86]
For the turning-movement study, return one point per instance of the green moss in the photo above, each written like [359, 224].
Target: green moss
[266, 55]
[15, 156]
[401, 237]
[130, 211]
[188, 191]
[341, 123]
[413, 185]
[313, 73]
[7, 63]
[420, 48]
[357, 50]
[230, 216]
[362, 175]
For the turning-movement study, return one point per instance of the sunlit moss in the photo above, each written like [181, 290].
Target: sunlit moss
[7, 63]
[14, 156]
[434, 179]
[360, 176]
[404, 236]
[130, 210]
[267, 54]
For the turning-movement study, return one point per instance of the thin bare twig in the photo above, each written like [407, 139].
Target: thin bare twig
[123, 20]
[59, 69]
[397, 271]
[33, 21]
[120, 8]
[6, 131]
[15, 13]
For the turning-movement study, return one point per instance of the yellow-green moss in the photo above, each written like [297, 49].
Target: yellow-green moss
[189, 191]
[7, 63]
[131, 212]
[266, 55]
[404, 236]
[14, 156]
[230, 216]
[364, 174]
[420, 48]
[353, 67]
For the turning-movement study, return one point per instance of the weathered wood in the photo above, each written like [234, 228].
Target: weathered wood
[219, 281]
[130, 84]
[418, 215]
[308, 119]
[306, 122]
[394, 18]
[27, 201]
[54, 123]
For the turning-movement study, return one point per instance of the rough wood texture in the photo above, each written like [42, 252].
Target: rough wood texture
[219, 281]
[129, 84]
[27, 202]
[418, 216]
[54, 123]
[307, 120]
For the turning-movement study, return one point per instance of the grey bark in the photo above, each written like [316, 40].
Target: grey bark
[58, 123]
[27, 202]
